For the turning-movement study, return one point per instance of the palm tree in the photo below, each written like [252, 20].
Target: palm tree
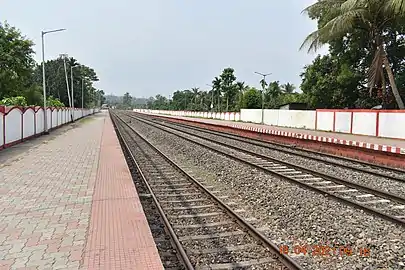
[216, 85]
[373, 17]
[241, 87]
[196, 93]
[288, 88]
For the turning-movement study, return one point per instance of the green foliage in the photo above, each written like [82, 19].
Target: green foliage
[20, 76]
[14, 101]
[127, 101]
[367, 36]
[54, 102]
[252, 99]
[227, 94]
[16, 61]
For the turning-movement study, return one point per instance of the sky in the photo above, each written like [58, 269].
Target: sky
[155, 47]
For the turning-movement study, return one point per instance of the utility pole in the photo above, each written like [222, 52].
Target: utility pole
[63, 56]
[263, 85]
[212, 96]
[72, 83]
[82, 94]
[43, 33]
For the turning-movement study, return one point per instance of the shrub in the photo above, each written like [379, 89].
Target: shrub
[54, 102]
[14, 101]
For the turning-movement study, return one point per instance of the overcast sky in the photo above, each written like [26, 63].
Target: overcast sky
[159, 46]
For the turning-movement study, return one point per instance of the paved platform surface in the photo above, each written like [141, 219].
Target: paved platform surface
[369, 142]
[67, 202]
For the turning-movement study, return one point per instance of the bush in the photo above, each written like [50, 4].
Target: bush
[54, 102]
[14, 101]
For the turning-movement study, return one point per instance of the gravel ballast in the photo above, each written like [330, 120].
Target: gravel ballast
[294, 215]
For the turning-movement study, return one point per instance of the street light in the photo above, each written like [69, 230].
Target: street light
[64, 56]
[43, 33]
[71, 82]
[264, 80]
[212, 96]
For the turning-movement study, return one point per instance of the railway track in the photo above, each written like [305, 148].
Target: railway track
[391, 173]
[204, 230]
[385, 205]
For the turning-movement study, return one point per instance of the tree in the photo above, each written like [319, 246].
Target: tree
[252, 99]
[127, 101]
[56, 81]
[16, 63]
[240, 86]
[216, 85]
[227, 86]
[288, 88]
[343, 18]
[196, 93]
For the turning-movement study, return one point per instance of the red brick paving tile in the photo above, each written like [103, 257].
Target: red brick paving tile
[42, 201]
[76, 255]
[6, 263]
[52, 248]
[34, 241]
[119, 236]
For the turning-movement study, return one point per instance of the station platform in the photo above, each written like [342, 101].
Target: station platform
[67, 201]
[396, 146]
[382, 151]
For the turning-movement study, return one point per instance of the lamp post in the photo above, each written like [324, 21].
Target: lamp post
[43, 33]
[64, 56]
[264, 80]
[71, 82]
[212, 96]
[82, 95]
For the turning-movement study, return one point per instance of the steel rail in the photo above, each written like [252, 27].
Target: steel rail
[290, 179]
[269, 146]
[284, 259]
[178, 246]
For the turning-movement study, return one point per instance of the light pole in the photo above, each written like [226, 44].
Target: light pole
[43, 33]
[264, 83]
[71, 82]
[212, 96]
[82, 95]
[64, 56]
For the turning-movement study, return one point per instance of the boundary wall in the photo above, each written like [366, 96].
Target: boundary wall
[21, 123]
[377, 123]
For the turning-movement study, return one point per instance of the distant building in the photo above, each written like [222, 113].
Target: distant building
[294, 106]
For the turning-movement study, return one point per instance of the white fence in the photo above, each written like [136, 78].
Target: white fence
[230, 116]
[380, 123]
[19, 123]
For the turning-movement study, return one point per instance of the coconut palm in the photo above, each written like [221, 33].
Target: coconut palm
[288, 88]
[196, 94]
[373, 17]
[216, 85]
[240, 86]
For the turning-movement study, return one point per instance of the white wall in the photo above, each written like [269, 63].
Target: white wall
[343, 122]
[390, 124]
[324, 121]
[365, 123]
[40, 121]
[13, 126]
[1, 129]
[21, 123]
[251, 115]
[28, 123]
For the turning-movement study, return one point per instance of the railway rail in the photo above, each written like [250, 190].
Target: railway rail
[205, 231]
[391, 173]
[385, 205]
